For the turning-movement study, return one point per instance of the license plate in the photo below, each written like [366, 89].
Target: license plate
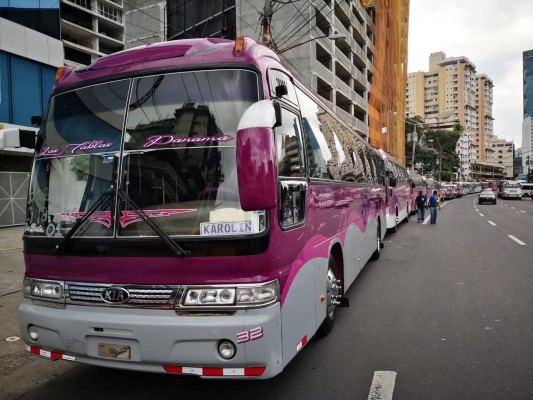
[118, 351]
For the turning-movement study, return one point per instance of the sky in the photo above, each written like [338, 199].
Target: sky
[491, 34]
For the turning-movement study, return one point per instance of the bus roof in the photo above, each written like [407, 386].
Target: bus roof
[166, 56]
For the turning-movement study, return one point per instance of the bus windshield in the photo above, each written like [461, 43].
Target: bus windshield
[168, 141]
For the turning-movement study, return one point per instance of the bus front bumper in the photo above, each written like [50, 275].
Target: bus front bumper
[157, 340]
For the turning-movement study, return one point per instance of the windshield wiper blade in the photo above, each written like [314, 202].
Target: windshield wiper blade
[176, 248]
[105, 197]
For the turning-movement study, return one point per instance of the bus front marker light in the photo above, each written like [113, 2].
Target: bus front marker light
[33, 333]
[226, 349]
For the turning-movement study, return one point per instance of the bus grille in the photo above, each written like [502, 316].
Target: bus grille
[138, 296]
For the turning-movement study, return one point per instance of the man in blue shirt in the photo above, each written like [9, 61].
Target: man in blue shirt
[433, 204]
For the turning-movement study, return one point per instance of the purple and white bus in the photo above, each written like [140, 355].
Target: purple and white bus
[398, 206]
[194, 209]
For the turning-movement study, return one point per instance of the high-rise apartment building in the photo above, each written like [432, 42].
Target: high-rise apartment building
[144, 22]
[452, 92]
[91, 29]
[361, 75]
[503, 156]
[527, 125]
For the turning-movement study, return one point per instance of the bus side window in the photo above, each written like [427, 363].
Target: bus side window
[292, 203]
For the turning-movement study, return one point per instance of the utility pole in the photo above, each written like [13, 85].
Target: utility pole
[414, 137]
[265, 22]
[440, 164]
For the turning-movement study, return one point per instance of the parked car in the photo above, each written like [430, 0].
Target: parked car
[487, 196]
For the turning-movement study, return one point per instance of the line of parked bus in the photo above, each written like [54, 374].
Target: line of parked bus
[506, 189]
[446, 190]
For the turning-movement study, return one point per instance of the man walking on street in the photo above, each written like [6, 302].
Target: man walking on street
[433, 204]
[421, 204]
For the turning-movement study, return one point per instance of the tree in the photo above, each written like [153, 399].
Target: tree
[431, 142]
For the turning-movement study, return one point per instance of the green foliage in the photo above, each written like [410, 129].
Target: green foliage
[432, 146]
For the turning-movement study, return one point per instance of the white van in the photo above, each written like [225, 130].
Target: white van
[527, 189]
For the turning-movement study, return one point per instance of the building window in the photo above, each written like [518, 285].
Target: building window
[201, 18]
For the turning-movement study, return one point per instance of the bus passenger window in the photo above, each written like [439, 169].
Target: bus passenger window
[292, 203]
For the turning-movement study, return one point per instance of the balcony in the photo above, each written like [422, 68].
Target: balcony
[343, 59]
[360, 102]
[320, 70]
[345, 89]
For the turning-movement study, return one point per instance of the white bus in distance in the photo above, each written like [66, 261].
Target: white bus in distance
[509, 190]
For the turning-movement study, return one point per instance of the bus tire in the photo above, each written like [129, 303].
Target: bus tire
[332, 290]
[377, 253]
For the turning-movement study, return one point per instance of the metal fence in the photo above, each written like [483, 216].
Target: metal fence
[13, 194]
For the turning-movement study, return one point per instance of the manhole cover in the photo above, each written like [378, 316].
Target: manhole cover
[12, 338]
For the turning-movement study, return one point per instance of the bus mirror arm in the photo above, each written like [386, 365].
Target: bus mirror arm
[277, 111]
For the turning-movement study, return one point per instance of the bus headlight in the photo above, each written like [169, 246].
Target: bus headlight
[209, 296]
[34, 288]
[240, 296]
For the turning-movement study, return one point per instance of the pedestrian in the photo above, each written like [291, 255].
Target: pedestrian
[433, 203]
[421, 204]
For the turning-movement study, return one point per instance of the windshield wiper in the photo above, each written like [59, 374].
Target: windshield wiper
[176, 248]
[103, 199]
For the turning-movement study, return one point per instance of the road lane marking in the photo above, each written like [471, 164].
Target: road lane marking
[481, 215]
[517, 240]
[382, 385]
[525, 212]
[492, 223]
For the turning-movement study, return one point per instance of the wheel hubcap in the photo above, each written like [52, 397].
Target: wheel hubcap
[332, 293]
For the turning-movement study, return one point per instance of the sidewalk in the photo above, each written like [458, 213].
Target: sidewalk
[20, 371]
[12, 263]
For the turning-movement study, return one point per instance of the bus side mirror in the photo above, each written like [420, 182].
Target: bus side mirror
[256, 157]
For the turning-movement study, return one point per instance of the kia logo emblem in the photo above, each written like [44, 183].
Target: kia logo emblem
[115, 295]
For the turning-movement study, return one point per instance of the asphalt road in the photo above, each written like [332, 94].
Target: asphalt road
[447, 310]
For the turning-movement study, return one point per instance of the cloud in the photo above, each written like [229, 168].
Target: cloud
[491, 34]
